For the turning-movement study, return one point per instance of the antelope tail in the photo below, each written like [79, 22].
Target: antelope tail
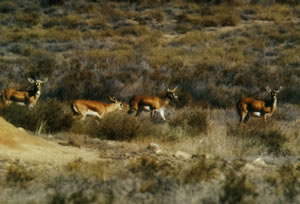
[74, 109]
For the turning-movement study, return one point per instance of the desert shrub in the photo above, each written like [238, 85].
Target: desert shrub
[219, 16]
[27, 18]
[237, 189]
[217, 2]
[98, 170]
[135, 30]
[288, 174]
[194, 121]
[256, 135]
[166, 56]
[107, 58]
[51, 2]
[203, 170]
[290, 2]
[60, 35]
[157, 14]
[18, 175]
[283, 180]
[114, 126]
[44, 117]
[150, 166]
[196, 37]
[292, 95]
[40, 63]
[123, 127]
[89, 7]
[275, 12]
[220, 96]
[7, 7]
[289, 57]
[70, 21]
[99, 22]
[118, 128]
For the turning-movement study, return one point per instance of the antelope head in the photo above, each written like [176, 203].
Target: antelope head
[118, 104]
[171, 93]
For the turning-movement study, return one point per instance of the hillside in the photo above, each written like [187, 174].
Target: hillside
[48, 171]
[214, 52]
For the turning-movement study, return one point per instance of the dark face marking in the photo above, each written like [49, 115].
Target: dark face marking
[171, 95]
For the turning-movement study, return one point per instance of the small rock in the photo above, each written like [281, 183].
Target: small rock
[21, 129]
[259, 161]
[180, 154]
[250, 167]
[154, 147]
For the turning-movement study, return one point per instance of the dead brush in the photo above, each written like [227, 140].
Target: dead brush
[18, 175]
[255, 134]
[151, 166]
[134, 30]
[194, 121]
[43, 118]
[7, 7]
[238, 189]
[285, 181]
[203, 170]
[115, 126]
[100, 170]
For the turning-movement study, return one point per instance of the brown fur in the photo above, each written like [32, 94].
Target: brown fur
[139, 103]
[82, 107]
[257, 107]
[28, 98]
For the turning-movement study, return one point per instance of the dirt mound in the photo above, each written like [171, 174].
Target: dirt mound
[17, 144]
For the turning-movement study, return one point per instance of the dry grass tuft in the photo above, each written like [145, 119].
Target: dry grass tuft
[256, 135]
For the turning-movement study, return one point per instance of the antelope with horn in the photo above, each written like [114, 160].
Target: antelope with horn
[249, 106]
[28, 98]
[95, 108]
[153, 104]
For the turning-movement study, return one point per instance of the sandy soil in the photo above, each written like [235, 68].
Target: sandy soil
[17, 144]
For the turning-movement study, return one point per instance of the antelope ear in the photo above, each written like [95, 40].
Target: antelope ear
[30, 80]
[112, 99]
[280, 88]
[166, 87]
[174, 89]
[44, 81]
[268, 89]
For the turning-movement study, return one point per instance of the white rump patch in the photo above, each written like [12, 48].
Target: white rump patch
[146, 108]
[257, 114]
[20, 103]
[93, 113]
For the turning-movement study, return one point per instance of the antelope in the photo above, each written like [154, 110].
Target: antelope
[249, 106]
[28, 98]
[95, 108]
[153, 104]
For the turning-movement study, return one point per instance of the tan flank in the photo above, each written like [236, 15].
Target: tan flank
[95, 108]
